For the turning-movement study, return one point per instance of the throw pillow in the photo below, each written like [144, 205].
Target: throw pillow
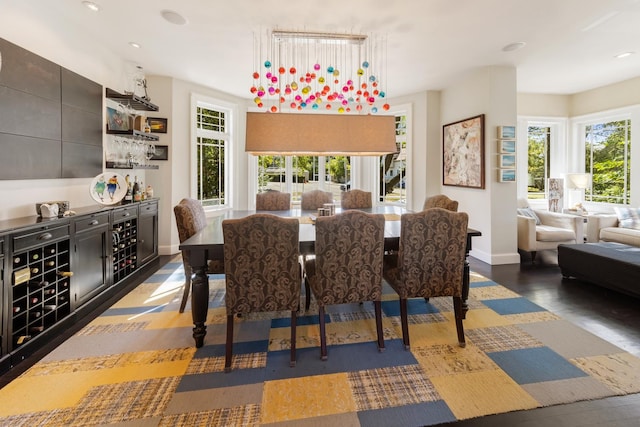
[529, 213]
[628, 217]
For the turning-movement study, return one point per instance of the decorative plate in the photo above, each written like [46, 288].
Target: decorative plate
[108, 188]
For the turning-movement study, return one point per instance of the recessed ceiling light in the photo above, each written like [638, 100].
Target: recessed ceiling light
[134, 44]
[173, 17]
[91, 6]
[624, 55]
[513, 46]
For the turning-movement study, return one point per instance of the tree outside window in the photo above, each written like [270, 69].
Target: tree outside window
[539, 142]
[608, 159]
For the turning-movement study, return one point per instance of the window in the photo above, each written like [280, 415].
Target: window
[297, 174]
[538, 160]
[212, 152]
[393, 167]
[608, 159]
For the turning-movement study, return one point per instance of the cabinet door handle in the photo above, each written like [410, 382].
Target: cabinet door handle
[127, 214]
[94, 222]
[45, 236]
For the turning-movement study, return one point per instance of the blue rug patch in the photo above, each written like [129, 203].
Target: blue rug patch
[285, 322]
[512, 306]
[414, 306]
[424, 414]
[535, 365]
[341, 358]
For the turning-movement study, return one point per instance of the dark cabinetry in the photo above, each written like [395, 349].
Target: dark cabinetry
[3, 302]
[50, 119]
[91, 237]
[124, 242]
[54, 271]
[147, 231]
[39, 296]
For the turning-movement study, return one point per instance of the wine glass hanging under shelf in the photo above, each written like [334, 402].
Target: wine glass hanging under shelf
[130, 153]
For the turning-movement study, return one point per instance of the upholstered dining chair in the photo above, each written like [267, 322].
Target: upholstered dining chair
[355, 199]
[262, 270]
[273, 200]
[429, 262]
[314, 199]
[347, 267]
[190, 218]
[440, 201]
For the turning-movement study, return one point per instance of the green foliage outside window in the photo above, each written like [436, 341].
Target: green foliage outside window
[608, 159]
[538, 161]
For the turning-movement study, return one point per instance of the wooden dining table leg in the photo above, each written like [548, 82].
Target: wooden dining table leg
[199, 295]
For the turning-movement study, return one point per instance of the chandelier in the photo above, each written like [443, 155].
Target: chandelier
[318, 71]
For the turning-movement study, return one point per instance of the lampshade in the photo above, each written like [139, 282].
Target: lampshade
[320, 134]
[578, 181]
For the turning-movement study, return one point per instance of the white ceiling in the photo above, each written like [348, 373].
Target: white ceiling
[570, 44]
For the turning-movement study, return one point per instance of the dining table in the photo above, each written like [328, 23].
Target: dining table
[209, 244]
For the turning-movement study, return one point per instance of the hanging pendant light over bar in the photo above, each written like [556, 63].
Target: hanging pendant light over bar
[332, 72]
[320, 134]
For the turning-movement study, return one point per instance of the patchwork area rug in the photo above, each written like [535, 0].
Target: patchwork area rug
[136, 365]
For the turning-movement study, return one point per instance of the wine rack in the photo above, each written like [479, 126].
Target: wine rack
[125, 243]
[40, 294]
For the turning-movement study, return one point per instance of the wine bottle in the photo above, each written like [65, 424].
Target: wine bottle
[36, 329]
[35, 314]
[35, 256]
[50, 263]
[16, 309]
[41, 284]
[65, 273]
[34, 300]
[23, 339]
[49, 307]
[49, 291]
[17, 260]
[52, 251]
[35, 270]
[136, 190]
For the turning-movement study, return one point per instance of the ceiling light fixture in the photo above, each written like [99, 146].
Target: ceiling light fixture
[173, 17]
[298, 70]
[134, 44]
[513, 46]
[624, 55]
[91, 6]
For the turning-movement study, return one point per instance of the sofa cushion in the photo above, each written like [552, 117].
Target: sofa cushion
[528, 212]
[547, 233]
[628, 217]
[628, 236]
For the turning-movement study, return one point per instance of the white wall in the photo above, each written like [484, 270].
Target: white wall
[490, 91]
[172, 182]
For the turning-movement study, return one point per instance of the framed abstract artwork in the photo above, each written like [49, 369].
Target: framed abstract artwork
[463, 153]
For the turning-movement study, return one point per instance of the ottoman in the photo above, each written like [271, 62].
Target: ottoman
[609, 264]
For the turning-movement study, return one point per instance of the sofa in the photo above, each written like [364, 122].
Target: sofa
[543, 230]
[607, 228]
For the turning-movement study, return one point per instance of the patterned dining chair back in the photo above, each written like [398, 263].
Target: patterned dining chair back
[314, 199]
[273, 200]
[190, 219]
[356, 199]
[347, 268]
[430, 261]
[440, 201]
[262, 269]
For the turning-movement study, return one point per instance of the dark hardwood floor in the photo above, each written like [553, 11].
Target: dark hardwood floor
[612, 316]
